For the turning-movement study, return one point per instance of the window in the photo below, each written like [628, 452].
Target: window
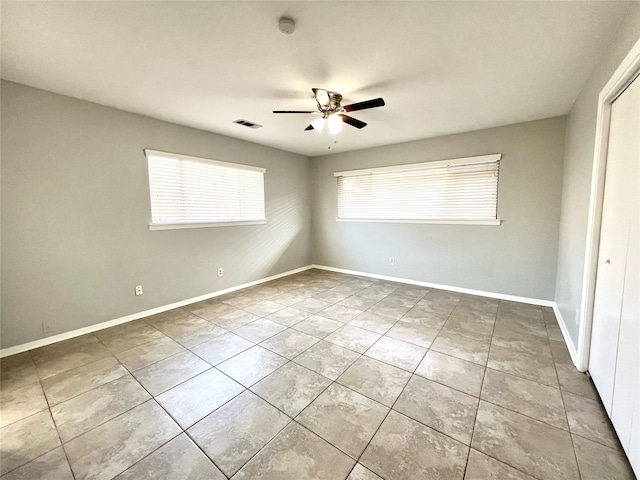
[191, 192]
[463, 190]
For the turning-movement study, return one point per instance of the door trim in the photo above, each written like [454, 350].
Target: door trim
[620, 80]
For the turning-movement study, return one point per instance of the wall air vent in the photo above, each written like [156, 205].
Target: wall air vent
[246, 123]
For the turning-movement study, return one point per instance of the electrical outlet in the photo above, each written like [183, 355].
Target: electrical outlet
[138, 290]
[220, 272]
[46, 328]
[392, 261]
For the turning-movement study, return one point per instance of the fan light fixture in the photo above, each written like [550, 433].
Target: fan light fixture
[333, 113]
[333, 122]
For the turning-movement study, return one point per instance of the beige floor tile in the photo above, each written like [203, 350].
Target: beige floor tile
[598, 462]
[470, 325]
[288, 316]
[21, 403]
[413, 333]
[549, 316]
[327, 359]
[50, 466]
[179, 459]
[165, 374]
[344, 418]
[288, 299]
[90, 409]
[259, 330]
[291, 388]
[373, 322]
[483, 467]
[523, 325]
[516, 309]
[264, 308]
[82, 379]
[478, 304]
[331, 296]
[341, 313]
[221, 348]
[194, 399]
[251, 365]
[148, 353]
[234, 433]
[533, 447]
[573, 381]
[318, 326]
[437, 306]
[108, 450]
[452, 372]
[560, 353]
[290, 343]
[588, 419]
[469, 349]
[17, 371]
[136, 334]
[357, 303]
[529, 398]
[522, 342]
[190, 331]
[361, 473]
[353, 338]
[531, 367]
[297, 454]
[210, 310]
[376, 380]
[442, 408]
[311, 305]
[389, 308]
[426, 318]
[62, 356]
[405, 449]
[26, 439]
[397, 353]
[235, 319]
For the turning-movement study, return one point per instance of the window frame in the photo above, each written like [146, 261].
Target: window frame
[176, 225]
[496, 157]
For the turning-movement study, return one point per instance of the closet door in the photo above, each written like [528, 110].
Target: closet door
[614, 242]
[615, 343]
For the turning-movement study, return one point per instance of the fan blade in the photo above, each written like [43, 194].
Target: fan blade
[354, 122]
[322, 96]
[376, 102]
[293, 111]
[310, 127]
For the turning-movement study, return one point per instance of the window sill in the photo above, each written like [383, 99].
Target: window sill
[179, 226]
[435, 222]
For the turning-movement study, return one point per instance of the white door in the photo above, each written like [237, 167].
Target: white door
[615, 343]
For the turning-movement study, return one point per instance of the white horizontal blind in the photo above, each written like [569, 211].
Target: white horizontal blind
[194, 190]
[454, 191]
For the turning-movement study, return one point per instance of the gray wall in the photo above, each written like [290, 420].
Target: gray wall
[75, 214]
[515, 258]
[578, 164]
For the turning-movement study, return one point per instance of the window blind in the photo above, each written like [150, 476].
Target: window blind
[191, 190]
[450, 190]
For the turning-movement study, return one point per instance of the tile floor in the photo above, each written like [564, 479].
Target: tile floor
[317, 375]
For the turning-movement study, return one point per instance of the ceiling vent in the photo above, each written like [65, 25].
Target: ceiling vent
[247, 123]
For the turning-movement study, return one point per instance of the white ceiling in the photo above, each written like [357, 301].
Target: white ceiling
[442, 67]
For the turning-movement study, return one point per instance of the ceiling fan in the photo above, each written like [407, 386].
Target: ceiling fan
[332, 113]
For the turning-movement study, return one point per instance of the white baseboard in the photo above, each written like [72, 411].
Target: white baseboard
[567, 338]
[5, 352]
[469, 291]
[135, 316]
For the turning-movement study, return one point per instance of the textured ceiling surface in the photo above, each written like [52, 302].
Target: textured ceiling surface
[442, 67]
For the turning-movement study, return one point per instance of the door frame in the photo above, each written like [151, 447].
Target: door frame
[626, 72]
